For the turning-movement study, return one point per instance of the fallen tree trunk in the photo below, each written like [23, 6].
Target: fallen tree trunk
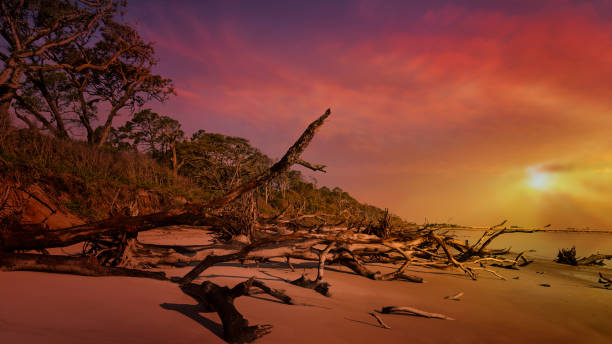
[236, 328]
[84, 266]
[594, 259]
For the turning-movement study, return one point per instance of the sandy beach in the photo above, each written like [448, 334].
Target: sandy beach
[54, 308]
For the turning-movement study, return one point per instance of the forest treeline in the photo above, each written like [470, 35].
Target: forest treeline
[71, 69]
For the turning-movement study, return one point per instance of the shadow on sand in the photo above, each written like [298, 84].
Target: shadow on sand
[193, 313]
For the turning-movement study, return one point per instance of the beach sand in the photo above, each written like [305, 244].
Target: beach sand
[54, 308]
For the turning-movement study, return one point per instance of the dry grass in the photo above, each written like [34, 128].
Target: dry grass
[96, 181]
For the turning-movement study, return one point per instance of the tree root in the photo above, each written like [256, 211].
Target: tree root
[236, 328]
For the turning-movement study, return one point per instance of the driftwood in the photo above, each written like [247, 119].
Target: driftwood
[85, 266]
[212, 259]
[236, 328]
[318, 286]
[456, 297]
[413, 311]
[568, 256]
[606, 281]
[349, 259]
[451, 258]
[594, 259]
[380, 321]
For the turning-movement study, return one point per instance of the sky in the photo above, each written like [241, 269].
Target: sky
[466, 112]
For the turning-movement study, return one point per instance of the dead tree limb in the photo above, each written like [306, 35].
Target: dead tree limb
[314, 167]
[317, 284]
[568, 256]
[452, 259]
[380, 321]
[283, 165]
[349, 259]
[211, 259]
[413, 311]
[236, 328]
[322, 258]
[69, 265]
[594, 259]
[607, 282]
[455, 297]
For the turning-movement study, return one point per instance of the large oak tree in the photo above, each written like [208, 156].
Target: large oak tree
[83, 84]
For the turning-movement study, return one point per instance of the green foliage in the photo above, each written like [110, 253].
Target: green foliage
[218, 162]
[101, 63]
[150, 132]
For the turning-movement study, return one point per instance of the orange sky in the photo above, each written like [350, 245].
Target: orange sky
[463, 112]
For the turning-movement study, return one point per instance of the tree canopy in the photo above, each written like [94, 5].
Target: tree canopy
[65, 61]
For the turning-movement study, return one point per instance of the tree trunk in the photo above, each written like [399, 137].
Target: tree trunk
[236, 328]
[5, 119]
[68, 265]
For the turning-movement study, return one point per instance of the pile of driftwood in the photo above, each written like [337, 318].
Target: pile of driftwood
[111, 248]
[568, 256]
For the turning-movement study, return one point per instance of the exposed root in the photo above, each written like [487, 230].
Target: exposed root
[236, 328]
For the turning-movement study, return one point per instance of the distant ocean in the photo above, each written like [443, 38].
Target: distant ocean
[545, 244]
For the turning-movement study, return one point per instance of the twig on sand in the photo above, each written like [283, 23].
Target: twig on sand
[413, 311]
[380, 321]
[455, 297]
[492, 272]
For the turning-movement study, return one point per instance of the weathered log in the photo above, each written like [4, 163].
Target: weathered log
[349, 259]
[413, 311]
[279, 294]
[318, 286]
[69, 265]
[236, 328]
[568, 256]
[594, 259]
[212, 259]
[322, 258]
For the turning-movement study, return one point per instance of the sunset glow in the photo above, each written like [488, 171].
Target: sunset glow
[538, 180]
[434, 103]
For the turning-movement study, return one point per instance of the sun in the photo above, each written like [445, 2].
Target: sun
[538, 180]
